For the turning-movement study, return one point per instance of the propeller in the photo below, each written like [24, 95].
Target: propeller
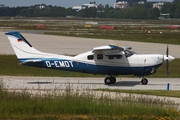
[167, 60]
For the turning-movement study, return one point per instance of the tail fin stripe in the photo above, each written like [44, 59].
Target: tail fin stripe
[25, 40]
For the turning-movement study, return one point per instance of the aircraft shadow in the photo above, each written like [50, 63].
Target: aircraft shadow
[39, 82]
[125, 83]
[119, 83]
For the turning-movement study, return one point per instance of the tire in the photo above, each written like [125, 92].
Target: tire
[113, 80]
[108, 80]
[144, 81]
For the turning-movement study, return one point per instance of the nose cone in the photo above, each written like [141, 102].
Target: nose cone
[169, 58]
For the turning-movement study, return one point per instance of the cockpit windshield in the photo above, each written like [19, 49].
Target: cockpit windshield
[129, 53]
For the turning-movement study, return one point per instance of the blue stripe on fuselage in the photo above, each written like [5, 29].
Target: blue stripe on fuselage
[69, 65]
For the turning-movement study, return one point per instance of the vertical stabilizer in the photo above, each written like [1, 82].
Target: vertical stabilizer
[23, 49]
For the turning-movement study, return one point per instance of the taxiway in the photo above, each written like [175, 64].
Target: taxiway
[80, 83]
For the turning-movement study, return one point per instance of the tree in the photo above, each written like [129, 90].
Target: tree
[106, 6]
[70, 11]
[177, 11]
[153, 13]
[147, 5]
[176, 1]
[166, 8]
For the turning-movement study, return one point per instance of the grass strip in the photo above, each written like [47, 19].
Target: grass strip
[167, 37]
[70, 105]
[174, 93]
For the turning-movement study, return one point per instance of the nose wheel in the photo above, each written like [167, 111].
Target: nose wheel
[144, 81]
[110, 80]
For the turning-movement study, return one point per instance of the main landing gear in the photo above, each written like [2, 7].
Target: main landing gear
[144, 81]
[110, 80]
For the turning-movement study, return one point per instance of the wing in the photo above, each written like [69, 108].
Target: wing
[111, 48]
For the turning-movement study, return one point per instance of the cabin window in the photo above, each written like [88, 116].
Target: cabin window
[118, 56]
[99, 56]
[90, 57]
[111, 57]
[114, 56]
[129, 53]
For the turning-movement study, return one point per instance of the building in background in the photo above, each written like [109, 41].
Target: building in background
[126, 3]
[77, 8]
[158, 5]
[121, 4]
[41, 6]
[131, 1]
[90, 5]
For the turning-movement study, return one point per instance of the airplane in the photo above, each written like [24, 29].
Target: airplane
[110, 60]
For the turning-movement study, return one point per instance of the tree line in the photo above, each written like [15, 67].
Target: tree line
[134, 11]
[173, 9]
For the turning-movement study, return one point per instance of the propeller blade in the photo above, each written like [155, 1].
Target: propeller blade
[167, 51]
[167, 67]
[167, 61]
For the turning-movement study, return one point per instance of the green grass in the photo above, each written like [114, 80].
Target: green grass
[167, 37]
[166, 93]
[70, 105]
[11, 67]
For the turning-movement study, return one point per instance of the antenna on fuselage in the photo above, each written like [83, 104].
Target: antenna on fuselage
[111, 42]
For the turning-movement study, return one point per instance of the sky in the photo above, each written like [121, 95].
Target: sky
[62, 3]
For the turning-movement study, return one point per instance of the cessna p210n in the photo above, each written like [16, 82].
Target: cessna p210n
[109, 60]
